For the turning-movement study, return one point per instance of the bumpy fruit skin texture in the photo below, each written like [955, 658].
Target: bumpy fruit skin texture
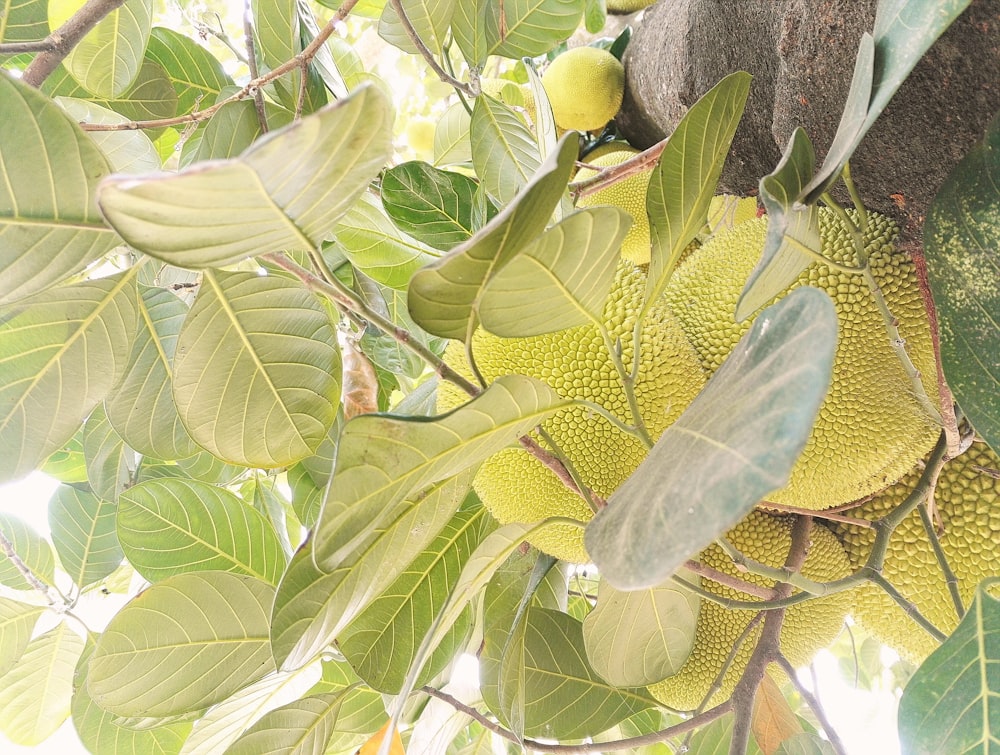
[629, 195]
[627, 6]
[871, 429]
[968, 504]
[585, 86]
[513, 484]
[807, 627]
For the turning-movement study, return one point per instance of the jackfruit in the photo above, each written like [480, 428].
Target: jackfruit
[513, 484]
[627, 6]
[585, 87]
[871, 429]
[808, 626]
[629, 195]
[967, 499]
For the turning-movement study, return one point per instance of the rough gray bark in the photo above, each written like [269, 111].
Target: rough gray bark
[801, 54]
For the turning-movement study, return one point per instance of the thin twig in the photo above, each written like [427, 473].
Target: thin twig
[825, 515]
[426, 54]
[591, 747]
[30, 577]
[813, 702]
[65, 38]
[950, 578]
[258, 95]
[735, 583]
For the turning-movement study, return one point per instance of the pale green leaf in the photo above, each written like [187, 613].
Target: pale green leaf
[233, 129]
[23, 21]
[33, 550]
[35, 696]
[107, 59]
[67, 464]
[303, 727]
[363, 711]
[684, 180]
[149, 97]
[444, 296]
[285, 192]
[276, 27]
[546, 136]
[142, 409]
[173, 525]
[60, 355]
[109, 462]
[805, 743]
[429, 18]
[196, 76]
[197, 638]
[559, 281]
[127, 151]
[257, 369]
[715, 738]
[637, 638]
[532, 27]
[224, 723]
[504, 152]
[382, 460]
[736, 442]
[83, 532]
[451, 136]
[470, 29]
[49, 223]
[207, 468]
[17, 620]
[312, 607]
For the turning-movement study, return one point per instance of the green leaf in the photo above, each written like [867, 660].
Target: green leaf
[962, 246]
[284, 192]
[173, 525]
[197, 637]
[257, 369]
[23, 21]
[805, 744]
[437, 207]
[532, 27]
[429, 18]
[451, 137]
[950, 704]
[150, 96]
[637, 638]
[109, 462]
[715, 738]
[684, 180]
[469, 26]
[382, 641]
[564, 698]
[35, 696]
[559, 281]
[736, 442]
[67, 464]
[225, 723]
[375, 247]
[276, 27]
[49, 223]
[142, 409]
[83, 532]
[363, 711]
[17, 620]
[31, 548]
[504, 152]
[196, 76]
[444, 296]
[85, 331]
[231, 130]
[127, 151]
[312, 607]
[298, 728]
[107, 60]
[383, 461]
[792, 228]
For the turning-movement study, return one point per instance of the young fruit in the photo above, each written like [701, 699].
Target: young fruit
[585, 86]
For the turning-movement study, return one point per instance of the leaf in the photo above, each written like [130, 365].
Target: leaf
[17, 620]
[444, 296]
[312, 607]
[437, 207]
[150, 96]
[173, 525]
[195, 74]
[33, 550]
[560, 280]
[224, 723]
[257, 369]
[108, 461]
[637, 638]
[792, 228]
[736, 442]
[773, 722]
[233, 129]
[107, 60]
[469, 27]
[210, 639]
[383, 461]
[83, 532]
[60, 355]
[24, 21]
[451, 137]
[362, 710]
[284, 192]
[300, 727]
[715, 738]
[950, 703]
[142, 409]
[962, 245]
[531, 27]
[684, 180]
[430, 20]
[504, 152]
[127, 151]
[382, 641]
[35, 696]
[49, 223]
[805, 744]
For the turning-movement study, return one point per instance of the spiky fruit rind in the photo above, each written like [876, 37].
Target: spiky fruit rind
[585, 87]
[870, 429]
[807, 627]
[627, 6]
[629, 195]
[514, 485]
[967, 499]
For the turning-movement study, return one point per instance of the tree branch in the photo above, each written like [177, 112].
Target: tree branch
[30, 577]
[426, 54]
[65, 38]
[258, 95]
[643, 161]
[813, 702]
